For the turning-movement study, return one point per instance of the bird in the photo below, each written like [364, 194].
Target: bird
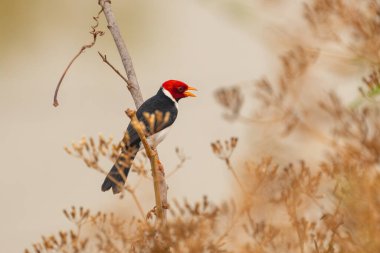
[164, 102]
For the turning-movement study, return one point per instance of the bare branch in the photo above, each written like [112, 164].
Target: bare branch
[158, 175]
[133, 85]
[95, 33]
[104, 58]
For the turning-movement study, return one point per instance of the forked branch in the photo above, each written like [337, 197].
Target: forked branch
[133, 85]
[104, 58]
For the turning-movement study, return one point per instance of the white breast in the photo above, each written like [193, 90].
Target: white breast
[157, 138]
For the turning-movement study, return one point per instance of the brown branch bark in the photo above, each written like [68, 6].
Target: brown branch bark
[104, 58]
[160, 187]
[158, 179]
[133, 84]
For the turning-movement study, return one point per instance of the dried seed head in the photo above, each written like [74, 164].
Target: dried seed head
[225, 150]
[68, 151]
[231, 99]
[216, 147]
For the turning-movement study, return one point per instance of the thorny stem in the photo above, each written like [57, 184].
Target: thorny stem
[154, 162]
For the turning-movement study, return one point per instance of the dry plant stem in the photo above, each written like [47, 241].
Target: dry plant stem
[178, 167]
[228, 230]
[153, 158]
[104, 58]
[94, 165]
[228, 163]
[316, 246]
[137, 202]
[292, 212]
[95, 33]
[128, 189]
[55, 103]
[133, 85]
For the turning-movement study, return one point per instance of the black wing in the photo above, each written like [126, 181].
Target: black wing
[159, 102]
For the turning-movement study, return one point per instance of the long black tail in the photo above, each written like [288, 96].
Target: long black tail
[114, 179]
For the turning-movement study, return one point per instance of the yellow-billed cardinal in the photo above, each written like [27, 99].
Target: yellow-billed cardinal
[165, 101]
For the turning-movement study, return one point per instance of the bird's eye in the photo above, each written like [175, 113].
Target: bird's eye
[181, 89]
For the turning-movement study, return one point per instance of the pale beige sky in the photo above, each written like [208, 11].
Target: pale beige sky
[186, 40]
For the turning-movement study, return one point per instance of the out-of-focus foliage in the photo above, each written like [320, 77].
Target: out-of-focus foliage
[297, 207]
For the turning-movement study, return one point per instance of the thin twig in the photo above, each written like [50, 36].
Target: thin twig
[95, 33]
[153, 158]
[177, 167]
[137, 202]
[182, 159]
[126, 188]
[229, 166]
[133, 85]
[104, 58]
[316, 246]
[228, 230]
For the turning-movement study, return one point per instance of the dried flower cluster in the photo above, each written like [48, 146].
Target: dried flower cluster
[66, 241]
[355, 137]
[224, 150]
[232, 100]
[354, 24]
[280, 102]
[188, 231]
[332, 207]
[372, 87]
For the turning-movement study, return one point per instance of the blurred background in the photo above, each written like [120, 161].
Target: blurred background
[207, 44]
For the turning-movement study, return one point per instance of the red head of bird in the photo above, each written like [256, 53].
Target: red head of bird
[178, 89]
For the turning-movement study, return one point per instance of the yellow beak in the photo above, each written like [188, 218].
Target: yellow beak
[189, 94]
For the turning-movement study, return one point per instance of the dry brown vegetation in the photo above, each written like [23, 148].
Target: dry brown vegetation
[332, 207]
